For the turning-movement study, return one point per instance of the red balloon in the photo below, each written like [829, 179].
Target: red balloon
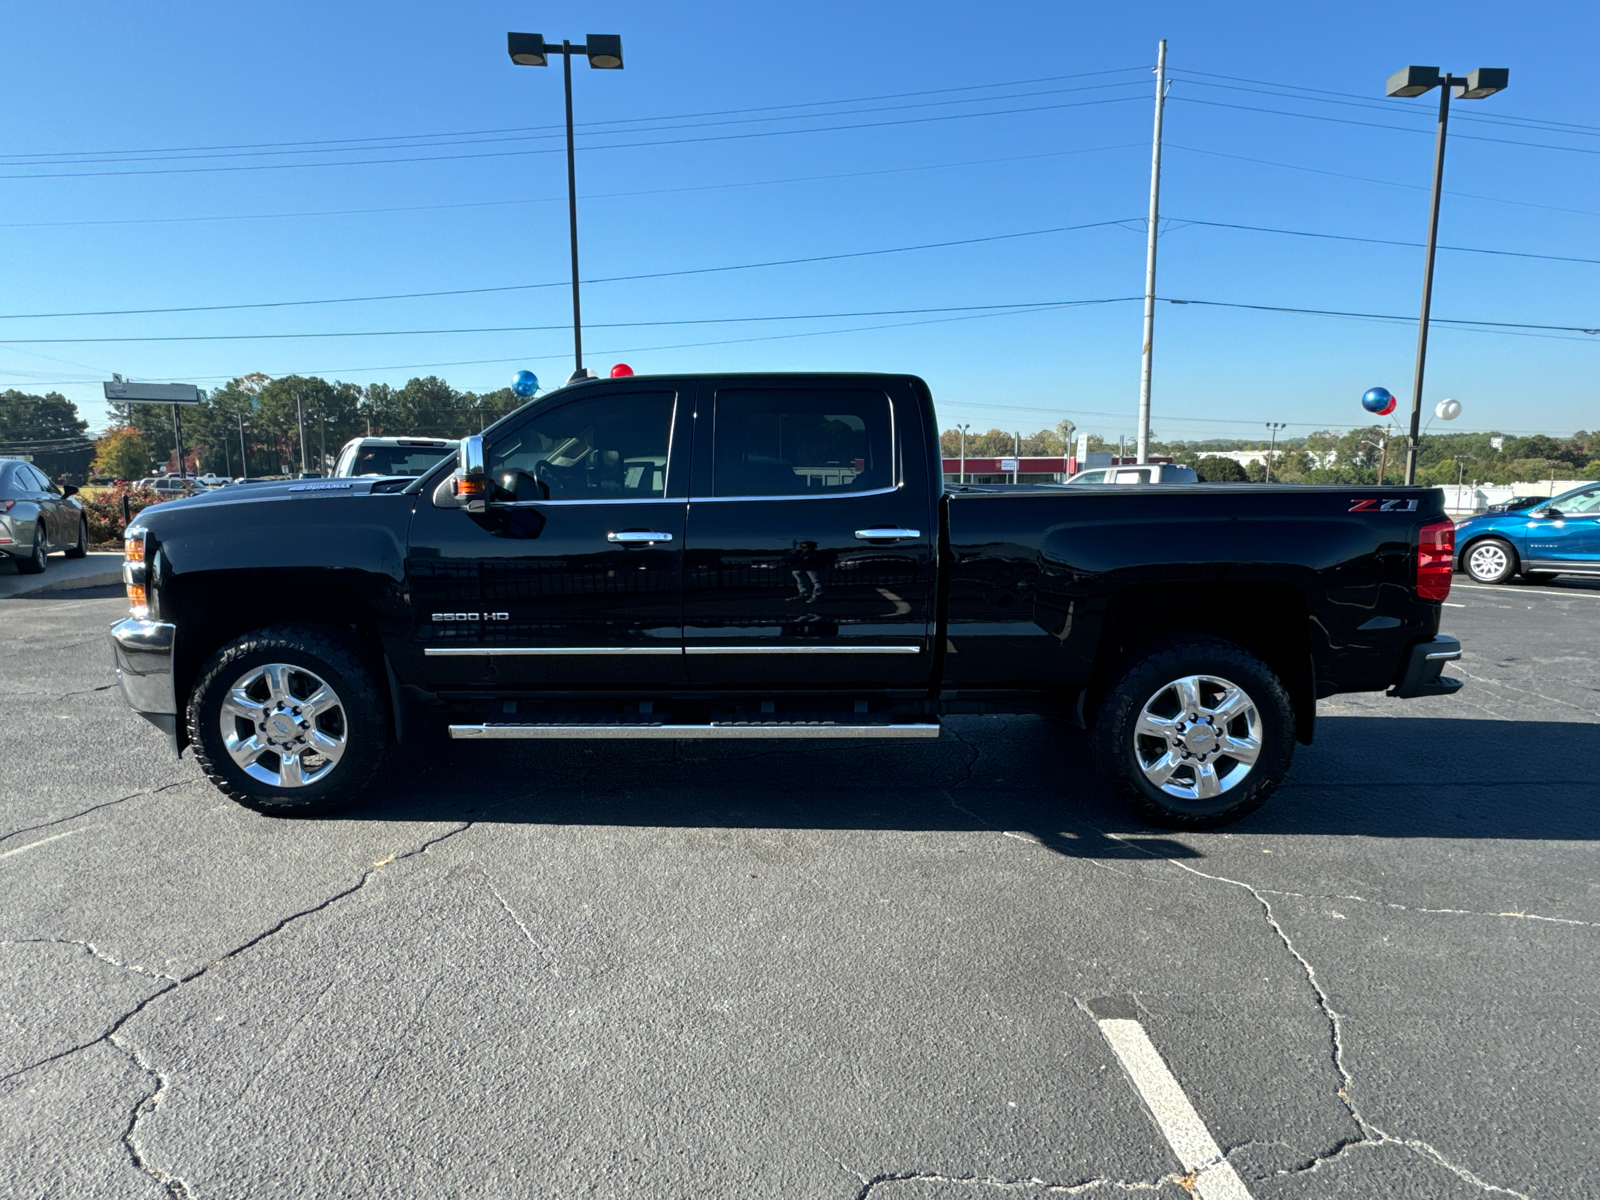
[621, 371]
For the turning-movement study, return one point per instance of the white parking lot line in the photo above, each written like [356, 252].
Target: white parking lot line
[1186, 1133]
[1524, 591]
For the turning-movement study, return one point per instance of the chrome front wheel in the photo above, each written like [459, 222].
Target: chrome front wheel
[1197, 737]
[283, 725]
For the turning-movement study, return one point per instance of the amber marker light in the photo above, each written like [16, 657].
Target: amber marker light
[133, 573]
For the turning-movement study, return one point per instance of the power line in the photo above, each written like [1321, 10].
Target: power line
[273, 337]
[590, 124]
[1356, 100]
[1474, 137]
[1341, 237]
[520, 136]
[700, 187]
[727, 137]
[1414, 187]
[1481, 326]
[521, 287]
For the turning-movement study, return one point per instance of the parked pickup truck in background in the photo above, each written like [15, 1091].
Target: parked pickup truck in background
[768, 556]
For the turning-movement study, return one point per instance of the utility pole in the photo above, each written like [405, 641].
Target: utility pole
[963, 431]
[300, 414]
[244, 454]
[1150, 257]
[1016, 453]
[177, 440]
[322, 420]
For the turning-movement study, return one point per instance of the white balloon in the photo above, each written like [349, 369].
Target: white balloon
[1447, 410]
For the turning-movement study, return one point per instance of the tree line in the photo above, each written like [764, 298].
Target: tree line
[1332, 456]
[253, 423]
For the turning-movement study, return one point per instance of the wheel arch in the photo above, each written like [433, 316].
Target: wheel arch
[213, 608]
[1270, 620]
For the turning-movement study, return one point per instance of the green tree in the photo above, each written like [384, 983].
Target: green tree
[48, 429]
[1212, 468]
[121, 454]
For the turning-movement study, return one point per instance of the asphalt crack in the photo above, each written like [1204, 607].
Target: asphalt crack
[1372, 1136]
[175, 1186]
[94, 952]
[94, 808]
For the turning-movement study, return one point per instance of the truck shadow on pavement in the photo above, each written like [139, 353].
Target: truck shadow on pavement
[1383, 777]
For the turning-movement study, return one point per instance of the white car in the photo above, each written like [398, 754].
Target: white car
[1131, 473]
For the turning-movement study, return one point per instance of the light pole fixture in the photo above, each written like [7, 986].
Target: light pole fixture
[1274, 426]
[604, 51]
[1414, 81]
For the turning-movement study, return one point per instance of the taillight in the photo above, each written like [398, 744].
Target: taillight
[7, 505]
[1436, 559]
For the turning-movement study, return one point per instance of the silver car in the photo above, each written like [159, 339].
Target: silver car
[38, 516]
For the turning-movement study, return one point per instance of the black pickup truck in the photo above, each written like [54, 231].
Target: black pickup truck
[768, 556]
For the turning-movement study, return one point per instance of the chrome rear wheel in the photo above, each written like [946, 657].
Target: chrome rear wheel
[1197, 737]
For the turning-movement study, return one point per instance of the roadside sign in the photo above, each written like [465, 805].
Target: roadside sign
[1008, 464]
[123, 392]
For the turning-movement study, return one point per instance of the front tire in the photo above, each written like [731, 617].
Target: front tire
[1196, 735]
[289, 720]
[1490, 561]
[35, 563]
[82, 547]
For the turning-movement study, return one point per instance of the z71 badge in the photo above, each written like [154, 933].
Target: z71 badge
[440, 618]
[1383, 506]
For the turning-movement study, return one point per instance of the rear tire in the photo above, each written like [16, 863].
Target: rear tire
[82, 547]
[290, 721]
[1195, 735]
[35, 563]
[1490, 560]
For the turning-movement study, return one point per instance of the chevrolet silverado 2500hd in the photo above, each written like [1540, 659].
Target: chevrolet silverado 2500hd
[768, 556]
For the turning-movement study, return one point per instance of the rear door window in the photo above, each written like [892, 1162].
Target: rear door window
[801, 442]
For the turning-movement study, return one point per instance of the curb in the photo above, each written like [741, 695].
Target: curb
[95, 574]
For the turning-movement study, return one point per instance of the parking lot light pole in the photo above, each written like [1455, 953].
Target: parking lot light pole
[962, 429]
[1274, 426]
[604, 51]
[1415, 81]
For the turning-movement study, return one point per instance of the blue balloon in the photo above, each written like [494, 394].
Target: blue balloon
[1378, 401]
[525, 384]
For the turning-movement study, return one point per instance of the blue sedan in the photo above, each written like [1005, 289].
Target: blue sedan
[1560, 536]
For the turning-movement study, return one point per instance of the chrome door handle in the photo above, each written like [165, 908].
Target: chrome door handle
[886, 535]
[633, 537]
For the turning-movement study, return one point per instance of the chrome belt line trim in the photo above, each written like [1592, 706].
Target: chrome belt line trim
[692, 732]
[524, 651]
[803, 650]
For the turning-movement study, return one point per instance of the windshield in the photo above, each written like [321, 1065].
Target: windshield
[395, 460]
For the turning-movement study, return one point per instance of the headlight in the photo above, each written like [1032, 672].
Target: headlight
[133, 572]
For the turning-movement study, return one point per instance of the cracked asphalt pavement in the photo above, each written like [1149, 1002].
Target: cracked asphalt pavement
[839, 971]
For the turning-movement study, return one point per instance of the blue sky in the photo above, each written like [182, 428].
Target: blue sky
[1051, 130]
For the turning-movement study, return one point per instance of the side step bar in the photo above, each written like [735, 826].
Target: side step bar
[716, 729]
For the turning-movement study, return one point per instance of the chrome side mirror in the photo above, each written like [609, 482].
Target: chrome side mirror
[471, 484]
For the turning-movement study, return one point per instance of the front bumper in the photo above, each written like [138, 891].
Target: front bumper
[1424, 662]
[143, 651]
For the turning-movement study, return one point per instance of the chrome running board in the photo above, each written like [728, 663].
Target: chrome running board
[716, 729]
